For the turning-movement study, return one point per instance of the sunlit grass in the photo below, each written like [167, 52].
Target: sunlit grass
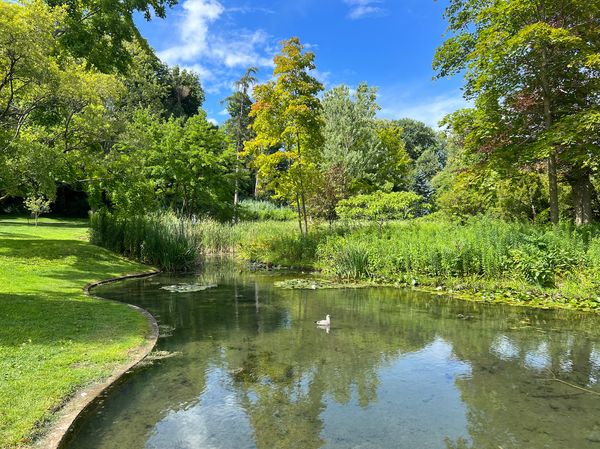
[53, 338]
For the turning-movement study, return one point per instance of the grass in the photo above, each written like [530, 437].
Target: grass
[54, 339]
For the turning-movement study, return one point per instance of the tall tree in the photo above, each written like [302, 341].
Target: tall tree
[185, 94]
[238, 106]
[417, 136]
[51, 105]
[287, 115]
[533, 69]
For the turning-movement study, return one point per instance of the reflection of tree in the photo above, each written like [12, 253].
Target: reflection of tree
[284, 371]
[284, 376]
[512, 403]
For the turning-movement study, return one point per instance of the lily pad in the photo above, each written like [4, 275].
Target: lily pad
[188, 288]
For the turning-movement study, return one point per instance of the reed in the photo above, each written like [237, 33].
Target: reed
[161, 240]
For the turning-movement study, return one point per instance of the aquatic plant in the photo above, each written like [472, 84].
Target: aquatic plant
[161, 240]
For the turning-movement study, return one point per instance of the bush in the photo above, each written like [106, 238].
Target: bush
[161, 240]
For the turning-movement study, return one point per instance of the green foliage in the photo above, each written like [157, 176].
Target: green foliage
[160, 240]
[287, 249]
[350, 261]
[52, 107]
[532, 70]
[487, 248]
[380, 207]
[370, 151]
[99, 30]
[287, 117]
[264, 210]
[182, 165]
[417, 136]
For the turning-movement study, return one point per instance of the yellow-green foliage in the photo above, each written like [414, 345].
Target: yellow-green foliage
[53, 338]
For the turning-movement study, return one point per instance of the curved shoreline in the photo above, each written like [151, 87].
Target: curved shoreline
[82, 398]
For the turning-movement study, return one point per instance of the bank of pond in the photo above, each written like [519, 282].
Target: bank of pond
[481, 258]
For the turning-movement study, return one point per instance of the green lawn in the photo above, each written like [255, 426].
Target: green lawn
[54, 339]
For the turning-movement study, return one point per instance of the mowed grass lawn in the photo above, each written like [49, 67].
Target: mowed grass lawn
[53, 338]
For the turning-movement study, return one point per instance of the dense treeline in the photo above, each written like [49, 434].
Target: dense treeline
[107, 118]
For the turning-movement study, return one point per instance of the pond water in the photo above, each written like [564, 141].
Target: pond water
[396, 369]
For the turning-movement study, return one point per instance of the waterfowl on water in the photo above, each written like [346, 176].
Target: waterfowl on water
[325, 322]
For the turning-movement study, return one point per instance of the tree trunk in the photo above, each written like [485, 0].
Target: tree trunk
[302, 196]
[548, 120]
[299, 214]
[582, 198]
[553, 188]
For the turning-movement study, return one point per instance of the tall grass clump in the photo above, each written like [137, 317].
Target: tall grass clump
[252, 210]
[217, 238]
[161, 240]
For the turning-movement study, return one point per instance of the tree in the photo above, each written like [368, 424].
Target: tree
[37, 205]
[287, 116]
[533, 69]
[51, 106]
[417, 136]
[185, 94]
[370, 150]
[184, 165]
[239, 105]
[98, 30]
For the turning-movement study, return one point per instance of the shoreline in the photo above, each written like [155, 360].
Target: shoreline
[78, 402]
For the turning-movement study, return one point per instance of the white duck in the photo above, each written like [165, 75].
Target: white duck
[325, 322]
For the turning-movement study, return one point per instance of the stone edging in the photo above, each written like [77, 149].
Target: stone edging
[76, 405]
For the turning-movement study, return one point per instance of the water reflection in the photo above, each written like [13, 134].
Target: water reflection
[395, 369]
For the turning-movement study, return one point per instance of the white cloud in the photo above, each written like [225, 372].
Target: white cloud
[214, 51]
[193, 31]
[213, 121]
[430, 110]
[364, 8]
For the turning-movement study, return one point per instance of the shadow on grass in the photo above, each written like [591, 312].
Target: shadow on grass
[59, 319]
[88, 255]
[15, 235]
[62, 224]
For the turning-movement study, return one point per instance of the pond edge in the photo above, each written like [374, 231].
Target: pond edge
[82, 398]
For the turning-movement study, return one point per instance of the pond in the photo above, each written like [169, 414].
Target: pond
[246, 367]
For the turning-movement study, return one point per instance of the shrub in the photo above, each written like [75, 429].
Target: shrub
[37, 205]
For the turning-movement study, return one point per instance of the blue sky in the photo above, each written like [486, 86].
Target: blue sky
[387, 43]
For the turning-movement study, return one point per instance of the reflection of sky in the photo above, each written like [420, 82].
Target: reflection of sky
[504, 348]
[194, 427]
[539, 358]
[414, 389]
[595, 362]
